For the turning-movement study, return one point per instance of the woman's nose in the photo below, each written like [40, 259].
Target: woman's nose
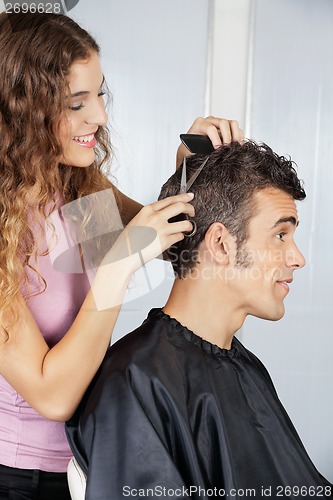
[98, 114]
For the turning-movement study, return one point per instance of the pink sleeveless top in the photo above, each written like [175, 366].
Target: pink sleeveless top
[27, 440]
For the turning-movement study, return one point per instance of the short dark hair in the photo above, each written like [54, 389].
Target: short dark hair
[224, 192]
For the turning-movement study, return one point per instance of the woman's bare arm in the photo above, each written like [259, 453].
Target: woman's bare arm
[128, 207]
[53, 381]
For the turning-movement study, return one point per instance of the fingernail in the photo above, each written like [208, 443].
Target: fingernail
[191, 195]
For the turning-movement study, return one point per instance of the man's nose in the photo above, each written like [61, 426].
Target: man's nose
[295, 258]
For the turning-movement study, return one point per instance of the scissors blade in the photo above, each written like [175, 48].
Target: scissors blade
[183, 187]
[195, 175]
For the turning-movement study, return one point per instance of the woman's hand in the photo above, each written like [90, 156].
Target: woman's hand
[219, 130]
[40, 374]
[149, 233]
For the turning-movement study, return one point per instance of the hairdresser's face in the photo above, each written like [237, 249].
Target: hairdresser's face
[266, 263]
[85, 112]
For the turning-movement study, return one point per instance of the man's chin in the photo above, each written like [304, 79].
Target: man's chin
[271, 315]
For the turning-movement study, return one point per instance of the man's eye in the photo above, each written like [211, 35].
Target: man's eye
[280, 236]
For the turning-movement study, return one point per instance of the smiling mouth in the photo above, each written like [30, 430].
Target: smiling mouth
[285, 284]
[87, 141]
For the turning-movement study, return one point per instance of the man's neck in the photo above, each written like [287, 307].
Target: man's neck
[208, 310]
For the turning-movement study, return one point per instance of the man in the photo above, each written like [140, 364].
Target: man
[179, 407]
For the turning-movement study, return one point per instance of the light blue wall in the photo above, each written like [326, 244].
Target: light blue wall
[291, 108]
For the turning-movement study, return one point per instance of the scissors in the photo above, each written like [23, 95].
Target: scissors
[185, 186]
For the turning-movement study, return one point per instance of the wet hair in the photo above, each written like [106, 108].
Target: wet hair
[224, 192]
[37, 52]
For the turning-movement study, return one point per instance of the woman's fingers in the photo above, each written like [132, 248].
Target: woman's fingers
[152, 231]
[165, 202]
[237, 133]
[174, 209]
[219, 130]
[158, 214]
[181, 227]
[156, 217]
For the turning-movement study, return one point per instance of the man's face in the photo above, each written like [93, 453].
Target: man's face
[268, 258]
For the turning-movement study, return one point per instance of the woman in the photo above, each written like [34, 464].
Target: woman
[54, 148]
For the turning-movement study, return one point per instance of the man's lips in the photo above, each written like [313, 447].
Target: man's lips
[284, 283]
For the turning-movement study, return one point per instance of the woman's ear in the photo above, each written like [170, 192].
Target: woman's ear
[218, 242]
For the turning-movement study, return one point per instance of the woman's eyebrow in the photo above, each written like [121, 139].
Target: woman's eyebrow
[85, 92]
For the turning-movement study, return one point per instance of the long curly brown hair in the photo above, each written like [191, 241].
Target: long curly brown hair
[37, 52]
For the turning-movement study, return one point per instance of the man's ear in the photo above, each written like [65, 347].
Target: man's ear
[219, 243]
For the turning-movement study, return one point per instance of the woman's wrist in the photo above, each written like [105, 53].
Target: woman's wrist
[111, 279]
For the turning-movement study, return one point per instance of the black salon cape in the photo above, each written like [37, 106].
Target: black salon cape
[169, 413]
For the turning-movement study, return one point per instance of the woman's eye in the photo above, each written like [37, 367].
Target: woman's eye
[77, 107]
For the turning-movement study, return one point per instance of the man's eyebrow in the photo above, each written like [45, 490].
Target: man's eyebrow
[85, 92]
[284, 220]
